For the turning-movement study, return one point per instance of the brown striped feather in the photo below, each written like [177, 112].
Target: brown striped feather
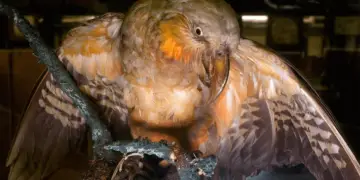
[272, 119]
[52, 128]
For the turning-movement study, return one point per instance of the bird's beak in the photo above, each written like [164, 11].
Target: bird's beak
[217, 70]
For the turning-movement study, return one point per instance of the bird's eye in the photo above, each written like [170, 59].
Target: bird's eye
[198, 31]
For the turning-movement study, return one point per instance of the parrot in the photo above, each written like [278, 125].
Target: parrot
[179, 70]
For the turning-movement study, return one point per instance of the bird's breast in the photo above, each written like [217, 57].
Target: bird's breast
[161, 107]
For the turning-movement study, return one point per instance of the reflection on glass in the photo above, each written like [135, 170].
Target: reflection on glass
[254, 18]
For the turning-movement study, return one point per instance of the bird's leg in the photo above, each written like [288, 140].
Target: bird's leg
[174, 138]
[142, 158]
[170, 150]
[153, 159]
[139, 166]
[201, 165]
[199, 168]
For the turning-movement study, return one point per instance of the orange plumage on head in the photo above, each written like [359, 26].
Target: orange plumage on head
[176, 42]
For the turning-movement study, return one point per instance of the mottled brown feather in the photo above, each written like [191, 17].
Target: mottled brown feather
[304, 131]
[42, 141]
[52, 128]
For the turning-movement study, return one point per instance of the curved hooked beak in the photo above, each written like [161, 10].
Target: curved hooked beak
[217, 74]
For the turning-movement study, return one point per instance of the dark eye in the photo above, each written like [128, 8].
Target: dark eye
[198, 31]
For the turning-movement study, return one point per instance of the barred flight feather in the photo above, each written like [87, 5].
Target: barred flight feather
[274, 100]
[52, 127]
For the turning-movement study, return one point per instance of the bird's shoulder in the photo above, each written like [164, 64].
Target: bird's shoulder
[92, 48]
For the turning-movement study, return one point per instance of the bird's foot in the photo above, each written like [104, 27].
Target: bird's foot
[200, 168]
[143, 159]
[138, 166]
[205, 166]
[150, 159]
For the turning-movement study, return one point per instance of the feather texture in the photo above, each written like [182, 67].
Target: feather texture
[273, 119]
[52, 128]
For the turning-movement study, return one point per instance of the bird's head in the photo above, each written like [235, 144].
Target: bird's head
[199, 34]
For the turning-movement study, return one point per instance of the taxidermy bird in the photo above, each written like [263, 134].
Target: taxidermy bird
[178, 70]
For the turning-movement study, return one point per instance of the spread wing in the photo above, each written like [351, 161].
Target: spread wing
[52, 127]
[266, 118]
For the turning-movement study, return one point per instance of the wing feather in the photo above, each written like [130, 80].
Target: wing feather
[92, 49]
[43, 139]
[305, 130]
[252, 132]
[52, 128]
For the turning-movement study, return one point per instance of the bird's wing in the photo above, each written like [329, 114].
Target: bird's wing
[268, 117]
[52, 127]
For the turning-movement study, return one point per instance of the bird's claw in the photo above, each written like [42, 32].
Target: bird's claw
[188, 164]
[205, 166]
[142, 159]
[140, 166]
[200, 168]
[129, 167]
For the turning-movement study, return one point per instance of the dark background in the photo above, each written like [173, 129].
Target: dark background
[323, 44]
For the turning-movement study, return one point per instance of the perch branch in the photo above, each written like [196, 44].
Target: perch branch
[100, 134]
